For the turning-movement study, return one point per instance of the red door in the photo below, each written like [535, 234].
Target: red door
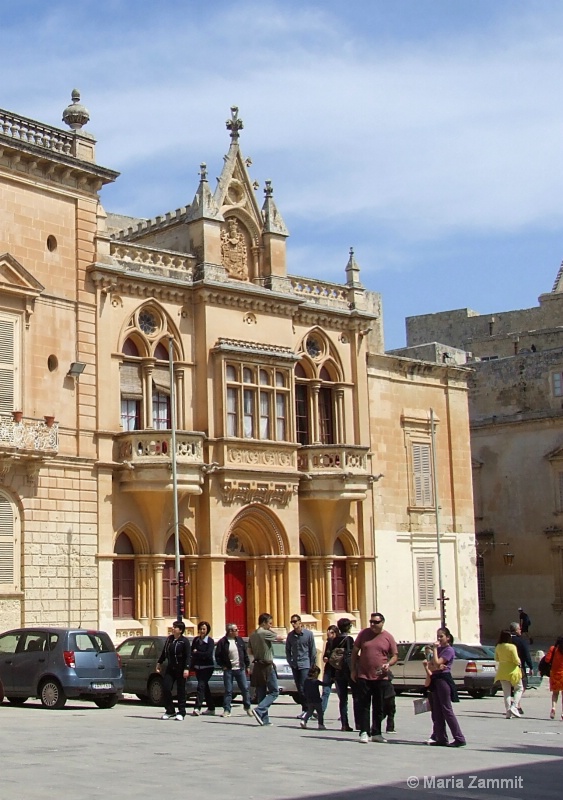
[235, 595]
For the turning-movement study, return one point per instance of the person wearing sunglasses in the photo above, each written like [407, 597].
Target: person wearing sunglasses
[374, 652]
[301, 654]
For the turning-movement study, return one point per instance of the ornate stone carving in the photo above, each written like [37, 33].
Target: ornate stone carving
[234, 252]
[267, 493]
[255, 455]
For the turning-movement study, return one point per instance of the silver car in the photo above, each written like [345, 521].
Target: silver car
[56, 664]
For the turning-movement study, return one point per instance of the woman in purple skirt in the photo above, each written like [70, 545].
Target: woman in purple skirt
[440, 692]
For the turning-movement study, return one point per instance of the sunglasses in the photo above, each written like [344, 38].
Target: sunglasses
[376, 622]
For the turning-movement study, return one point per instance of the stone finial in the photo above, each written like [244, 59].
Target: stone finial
[76, 115]
[352, 271]
[234, 124]
[203, 171]
[268, 190]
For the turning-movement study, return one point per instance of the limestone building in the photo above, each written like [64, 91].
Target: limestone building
[303, 454]
[516, 417]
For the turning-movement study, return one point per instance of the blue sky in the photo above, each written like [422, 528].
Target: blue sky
[425, 133]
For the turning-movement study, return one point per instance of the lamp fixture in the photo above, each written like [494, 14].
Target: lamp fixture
[482, 548]
[76, 369]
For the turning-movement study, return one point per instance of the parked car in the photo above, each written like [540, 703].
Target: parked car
[473, 669]
[56, 664]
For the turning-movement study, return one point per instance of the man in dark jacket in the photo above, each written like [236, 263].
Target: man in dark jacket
[523, 654]
[301, 654]
[231, 656]
[176, 652]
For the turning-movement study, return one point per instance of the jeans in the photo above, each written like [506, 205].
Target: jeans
[299, 675]
[203, 690]
[240, 677]
[267, 694]
[169, 679]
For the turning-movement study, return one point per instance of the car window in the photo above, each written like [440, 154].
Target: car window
[9, 642]
[278, 649]
[402, 650]
[472, 652]
[53, 640]
[35, 642]
[147, 649]
[91, 642]
[419, 653]
[126, 648]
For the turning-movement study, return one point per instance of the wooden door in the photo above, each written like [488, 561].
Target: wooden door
[235, 595]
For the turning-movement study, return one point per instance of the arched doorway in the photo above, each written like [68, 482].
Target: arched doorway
[236, 608]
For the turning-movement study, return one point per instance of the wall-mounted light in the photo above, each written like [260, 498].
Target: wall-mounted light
[76, 369]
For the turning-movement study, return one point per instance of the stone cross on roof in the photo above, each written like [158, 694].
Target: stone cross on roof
[235, 124]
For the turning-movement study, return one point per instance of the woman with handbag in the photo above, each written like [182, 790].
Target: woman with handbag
[554, 657]
[509, 673]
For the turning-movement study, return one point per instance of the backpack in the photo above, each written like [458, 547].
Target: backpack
[544, 667]
[339, 657]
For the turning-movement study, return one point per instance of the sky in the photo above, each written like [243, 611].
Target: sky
[426, 134]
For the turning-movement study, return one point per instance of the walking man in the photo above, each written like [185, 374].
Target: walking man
[231, 656]
[264, 676]
[525, 623]
[176, 652]
[374, 652]
[523, 654]
[301, 654]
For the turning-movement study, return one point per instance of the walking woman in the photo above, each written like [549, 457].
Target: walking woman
[202, 663]
[509, 673]
[440, 693]
[555, 657]
[329, 673]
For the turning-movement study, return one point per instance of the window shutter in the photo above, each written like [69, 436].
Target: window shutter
[130, 377]
[426, 584]
[7, 365]
[161, 379]
[422, 474]
[6, 542]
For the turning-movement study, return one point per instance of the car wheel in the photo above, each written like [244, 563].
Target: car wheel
[476, 693]
[51, 694]
[16, 701]
[155, 691]
[106, 701]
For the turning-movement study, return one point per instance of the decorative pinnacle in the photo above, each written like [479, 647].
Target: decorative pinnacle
[203, 171]
[351, 252]
[76, 115]
[268, 191]
[234, 124]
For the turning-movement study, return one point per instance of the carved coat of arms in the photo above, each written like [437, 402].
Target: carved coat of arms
[233, 250]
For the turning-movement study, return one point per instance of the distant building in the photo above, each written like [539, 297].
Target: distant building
[516, 413]
[301, 450]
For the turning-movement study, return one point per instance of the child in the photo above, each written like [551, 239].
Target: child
[312, 694]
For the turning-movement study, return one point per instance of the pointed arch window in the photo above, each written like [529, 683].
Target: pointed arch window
[124, 578]
[339, 578]
[316, 407]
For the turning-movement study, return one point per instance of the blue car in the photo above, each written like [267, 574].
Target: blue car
[56, 664]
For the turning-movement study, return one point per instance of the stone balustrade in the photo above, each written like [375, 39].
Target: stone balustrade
[321, 292]
[28, 435]
[153, 258]
[27, 130]
[334, 458]
[138, 447]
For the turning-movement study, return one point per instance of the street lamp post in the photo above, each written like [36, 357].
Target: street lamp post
[179, 573]
[442, 598]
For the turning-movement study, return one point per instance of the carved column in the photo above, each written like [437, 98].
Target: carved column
[255, 250]
[353, 586]
[315, 587]
[146, 375]
[273, 573]
[158, 569]
[180, 401]
[143, 592]
[192, 591]
[280, 593]
[340, 436]
[327, 565]
[315, 432]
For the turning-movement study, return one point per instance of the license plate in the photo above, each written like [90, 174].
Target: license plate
[488, 669]
[102, 686]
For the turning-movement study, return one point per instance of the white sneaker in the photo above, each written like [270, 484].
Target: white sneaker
[514, 712]
[364, 738]
[379, 739]
[249, 712]
[168, 716]
[179, 717]
[226, 713]
[303, 724]
[196, 712]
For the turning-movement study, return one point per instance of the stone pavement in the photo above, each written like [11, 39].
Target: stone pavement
[128, 752]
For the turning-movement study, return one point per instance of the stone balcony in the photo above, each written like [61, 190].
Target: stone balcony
[144, 460]
[28, 440]
[333, 472]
